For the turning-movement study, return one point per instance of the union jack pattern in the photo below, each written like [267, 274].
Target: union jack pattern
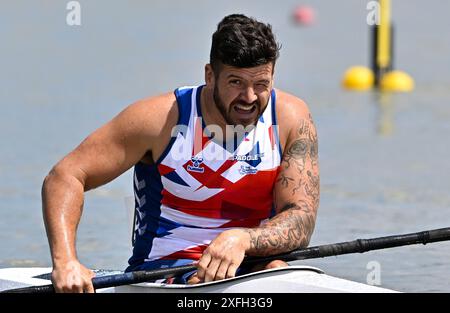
[198, 188]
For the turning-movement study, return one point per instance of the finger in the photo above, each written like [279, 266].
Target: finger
[202, 265]
[72, 289]
[89, 288]
[232, 270]
[75, 283]
[212, 270]
[193, 279]
[57, 285]
[276, 264]
[222, 270]
[71, 286]
[78, 288]
[58, 288]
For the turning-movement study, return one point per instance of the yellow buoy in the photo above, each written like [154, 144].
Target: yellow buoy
[358, 78]
[397, 81]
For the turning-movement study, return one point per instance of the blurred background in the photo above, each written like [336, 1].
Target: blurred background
[384, 157]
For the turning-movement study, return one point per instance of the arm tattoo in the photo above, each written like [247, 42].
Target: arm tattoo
[293, 225]
[288, 230]
[284, 180]
[304, 148]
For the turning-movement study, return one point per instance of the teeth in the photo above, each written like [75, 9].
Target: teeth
[245, 108]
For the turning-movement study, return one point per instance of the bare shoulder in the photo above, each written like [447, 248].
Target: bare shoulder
[153, 113]
[290, 107]
[291, 112]
[148, 123]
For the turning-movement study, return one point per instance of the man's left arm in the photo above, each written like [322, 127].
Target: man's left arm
[296, 199]
[296, 195]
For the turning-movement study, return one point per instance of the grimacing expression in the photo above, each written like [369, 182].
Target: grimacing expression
[242, 94]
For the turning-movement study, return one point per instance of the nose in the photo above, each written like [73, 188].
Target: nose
[248, 95]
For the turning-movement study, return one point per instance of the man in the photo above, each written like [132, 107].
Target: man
[204, 194]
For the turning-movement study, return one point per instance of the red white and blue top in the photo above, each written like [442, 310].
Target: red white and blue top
[200, 187]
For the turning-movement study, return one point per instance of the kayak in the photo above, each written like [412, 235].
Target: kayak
[292, 279]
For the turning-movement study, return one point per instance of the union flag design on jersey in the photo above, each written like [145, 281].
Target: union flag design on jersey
[200, 187]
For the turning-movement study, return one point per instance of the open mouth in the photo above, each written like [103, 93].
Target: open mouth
[244, 109]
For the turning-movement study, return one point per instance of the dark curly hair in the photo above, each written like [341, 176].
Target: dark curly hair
[241, 41]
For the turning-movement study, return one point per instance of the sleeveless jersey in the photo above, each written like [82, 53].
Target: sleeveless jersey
[199, 187]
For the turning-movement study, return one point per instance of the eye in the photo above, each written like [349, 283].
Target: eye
[235, 82]
[261, 86]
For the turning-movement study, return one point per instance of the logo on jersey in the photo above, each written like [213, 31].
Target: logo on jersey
[249, 157]
[196, 165]
[247, 169]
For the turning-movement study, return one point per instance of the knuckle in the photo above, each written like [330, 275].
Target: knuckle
[201, 275]
[220, 276]
[214, 251]
[74, 287]
[87, 285]
[230, 275]
[212, 254]
[231, 271]
[201, 267]
[58, 288]
[204, 258]
[210, 274]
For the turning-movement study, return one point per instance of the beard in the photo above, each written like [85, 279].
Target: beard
[228, 112]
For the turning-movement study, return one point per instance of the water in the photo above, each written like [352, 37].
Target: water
[384, 160]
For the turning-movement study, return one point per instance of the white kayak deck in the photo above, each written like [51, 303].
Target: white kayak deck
[292, 279]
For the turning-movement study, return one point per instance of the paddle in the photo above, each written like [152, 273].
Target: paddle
[356, 246]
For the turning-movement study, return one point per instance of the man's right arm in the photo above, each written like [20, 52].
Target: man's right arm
[101, 157]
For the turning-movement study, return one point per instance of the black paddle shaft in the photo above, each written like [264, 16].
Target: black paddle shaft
[356, 246]
[360, 246]
[116, 280]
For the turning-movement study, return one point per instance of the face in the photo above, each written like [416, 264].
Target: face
[241, 94]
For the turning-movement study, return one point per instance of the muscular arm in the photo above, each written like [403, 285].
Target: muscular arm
[101, 157]
[296, 196]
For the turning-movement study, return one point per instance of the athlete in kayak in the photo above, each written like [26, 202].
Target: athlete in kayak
[223, 170]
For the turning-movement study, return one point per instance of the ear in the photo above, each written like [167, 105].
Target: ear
[209, 76]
